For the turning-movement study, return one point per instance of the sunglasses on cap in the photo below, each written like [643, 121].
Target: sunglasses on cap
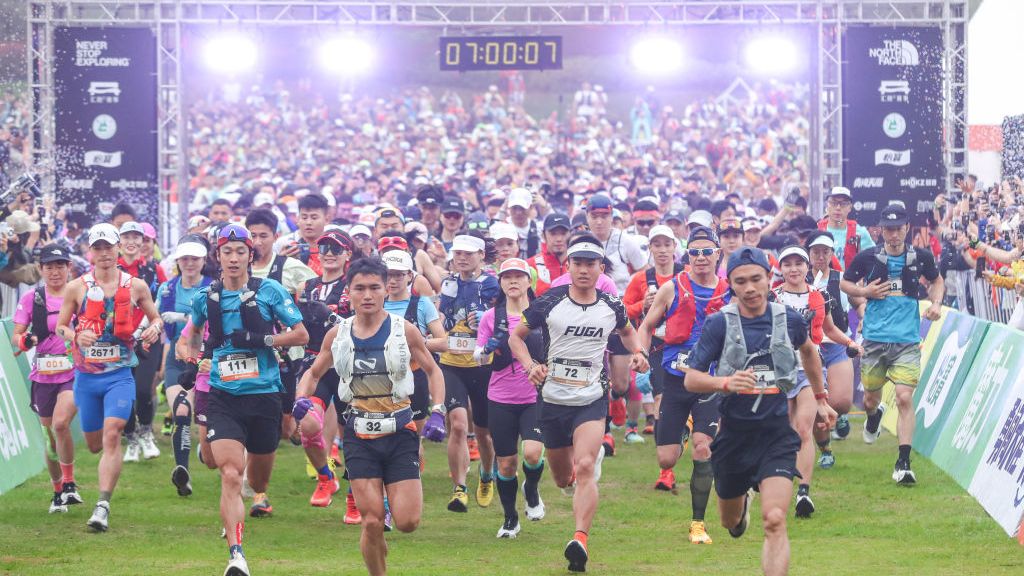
[388, 213]
[233, 233]
[392, 242]
[730, 226]
[705, 252]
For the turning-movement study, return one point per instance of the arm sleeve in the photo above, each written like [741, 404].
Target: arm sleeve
[620, 312]
[709, 346]
[23, 313]
[486, 328]
[535, 314]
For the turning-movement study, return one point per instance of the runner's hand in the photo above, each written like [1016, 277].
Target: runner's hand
[150, 335]
[174, 318]
[877, 290]
[301, 407]
[247, 339]
[205, 365]
[649, 300]
[86, 338]
[434, 429]
[934, 312]
[742, 381]
[290, 250]
[538, 374]
[826, 415]
[638, 363]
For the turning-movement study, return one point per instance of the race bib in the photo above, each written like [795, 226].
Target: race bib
[369, 427]
[460, 343]
[896, 287]
[570, 372]
[765, 377]
[103, 352]
[48, 364]
[238, 367]
[680, 363]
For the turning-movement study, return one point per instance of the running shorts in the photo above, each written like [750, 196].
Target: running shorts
[105, 395]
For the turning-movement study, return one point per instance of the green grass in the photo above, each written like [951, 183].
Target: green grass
[865, 525]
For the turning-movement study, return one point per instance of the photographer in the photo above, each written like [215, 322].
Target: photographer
[19, 235]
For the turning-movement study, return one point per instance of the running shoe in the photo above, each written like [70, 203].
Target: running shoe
[261, 507]
[827, 460]
[388, 521]
[182, 480]
[609, 445]
[459, 501]
[296, 438]
[634, 437]
[510, 529]
[902, 473]
[485, 493]
[148, 444]
[352, 515]
[57, 505]
[474, 449]
[133, 451]
[597, 464]
[310, 470]
[842, 429]
[617, 410]
[326, 486]
[100, 517]
[69, 494]
[576, 554]
[168, 427]
[738, 530]
[699, 533]
[666, 480]
[534, 513]
[570, 490]
[649, 429]
[804, 506]
[237, 566]
[869, 436]
[334, 460]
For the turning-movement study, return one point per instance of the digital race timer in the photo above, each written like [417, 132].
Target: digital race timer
[463, 53]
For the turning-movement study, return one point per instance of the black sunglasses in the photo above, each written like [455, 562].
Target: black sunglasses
[705, 252]
[646, 222]
[330, 248]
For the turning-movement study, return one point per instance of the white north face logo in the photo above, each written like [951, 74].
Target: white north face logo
[891, 216]
[210, 433]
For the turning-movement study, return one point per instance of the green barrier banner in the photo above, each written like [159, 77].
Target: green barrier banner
[998, 483]
[952, 354]
[929, 334]
[975, 415]
[21, 437]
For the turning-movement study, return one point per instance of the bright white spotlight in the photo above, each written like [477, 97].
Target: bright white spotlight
[771, 55]
[656, 55]
[231, 53]
[347, 56]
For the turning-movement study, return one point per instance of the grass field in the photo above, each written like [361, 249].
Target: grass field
[866, 525]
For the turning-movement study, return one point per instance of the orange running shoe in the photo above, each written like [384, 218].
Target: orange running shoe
[474, 449]
[666, 480]
[617, 410]
[352, 515]
[609, 445]
[326, 486]
[335, 455]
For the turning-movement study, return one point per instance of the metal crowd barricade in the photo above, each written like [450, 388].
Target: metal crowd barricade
[979, 298]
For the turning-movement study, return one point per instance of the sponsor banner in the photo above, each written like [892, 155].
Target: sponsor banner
[892, 118]
[973, 418]
[105, 117]
[929, 334]
[21, 437]
[998, 483]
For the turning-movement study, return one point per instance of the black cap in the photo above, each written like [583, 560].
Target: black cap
[579, 220]
[645, 205]
[452, 205]
[561, 197]
[556, 220]
[893, 215]
[54, 253]
[702, 233]
[676, 215]
[430, 195]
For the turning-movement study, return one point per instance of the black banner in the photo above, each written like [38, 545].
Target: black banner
[892, 119]
[106, 120]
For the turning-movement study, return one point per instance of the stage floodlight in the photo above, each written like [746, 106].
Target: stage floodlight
[771, 55]
[656, 55]
[347, 56]
[230, 53]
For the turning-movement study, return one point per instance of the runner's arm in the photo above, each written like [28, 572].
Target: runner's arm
[662, 300]
[428, 270]
[639, 360]
[438, 340]
[517, 344]
[834, 333]
[811, 362]
[144, 300]
[323, 362]
[297, 336]
[435, 379]
[67, 310]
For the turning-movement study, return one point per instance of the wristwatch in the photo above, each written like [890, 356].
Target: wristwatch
[268, 340]
[439, 408]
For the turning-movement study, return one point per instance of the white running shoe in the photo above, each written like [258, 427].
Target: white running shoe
[100, 516]
[570, 490]
[237, 566]
[132, 451]
[148, 445]
[597, 464]
[534, 513]
[510, 529]
[57, 505]
[870, 437]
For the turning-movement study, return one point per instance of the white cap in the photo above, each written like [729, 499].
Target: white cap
[752, 224]
[660, 230]
[586, 250]
[501, 230]
[840, 191]
[398, 260]
[520, 197]
[417, 228]
[130, 226]
[823, 240]
[619, 193]
[467, 243]
[196, 249]
[793, 250]
[514, 265]
[359, 229]
[701, 217]
[105, 233]
[262, 199]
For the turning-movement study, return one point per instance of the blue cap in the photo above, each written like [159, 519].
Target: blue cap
[747, 255]
[599, 202]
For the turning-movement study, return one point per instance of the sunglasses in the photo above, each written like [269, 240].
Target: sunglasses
[705, 252]
[646, 222]
[330, 248]
[392, 242]
[452, 215]
[478, 225]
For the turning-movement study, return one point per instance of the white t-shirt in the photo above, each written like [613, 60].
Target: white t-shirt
[626, 256]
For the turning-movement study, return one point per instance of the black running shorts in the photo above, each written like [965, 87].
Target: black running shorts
[678, 405]
[467, 386]
[558, 422]
[392, 458]
[252, 419]
[744, 454]
[511, 422]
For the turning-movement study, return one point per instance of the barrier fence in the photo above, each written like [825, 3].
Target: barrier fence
[978, 297]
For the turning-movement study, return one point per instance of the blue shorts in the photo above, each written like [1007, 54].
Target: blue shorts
[832, 354]
[101, 396]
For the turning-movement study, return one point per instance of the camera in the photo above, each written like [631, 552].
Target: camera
[24, 183]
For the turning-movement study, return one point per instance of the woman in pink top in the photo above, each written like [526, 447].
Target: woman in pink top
[512, 408]
[52, 374]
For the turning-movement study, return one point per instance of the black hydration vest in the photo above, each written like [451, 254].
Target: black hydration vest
[40, 328]
[503, 355]
[252, 320]
[277, 268]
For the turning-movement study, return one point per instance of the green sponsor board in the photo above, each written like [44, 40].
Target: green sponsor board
[945, 371]
[972, 419]
[21, 438]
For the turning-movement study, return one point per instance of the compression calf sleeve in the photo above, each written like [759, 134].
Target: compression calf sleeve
[507, 488]
[181, 438]
[700, 487]
[533, 474]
